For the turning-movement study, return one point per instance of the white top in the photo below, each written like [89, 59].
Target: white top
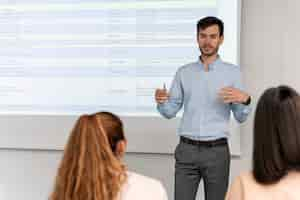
[244, 187]
[140, 187]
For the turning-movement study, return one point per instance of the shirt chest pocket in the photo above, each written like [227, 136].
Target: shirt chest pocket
[194, 87]
[205, 87]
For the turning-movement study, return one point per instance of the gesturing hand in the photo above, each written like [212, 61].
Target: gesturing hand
[161, 95]
[233, 95]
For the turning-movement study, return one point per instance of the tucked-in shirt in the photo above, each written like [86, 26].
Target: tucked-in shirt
[205, 116]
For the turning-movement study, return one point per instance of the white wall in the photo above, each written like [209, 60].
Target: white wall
[269, 44]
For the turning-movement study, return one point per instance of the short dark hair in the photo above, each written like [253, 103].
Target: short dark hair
[210, 21]
[276, 145]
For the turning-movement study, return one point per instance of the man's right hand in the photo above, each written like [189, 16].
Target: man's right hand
[161, 95]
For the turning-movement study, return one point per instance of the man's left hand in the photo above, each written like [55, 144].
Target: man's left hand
[233, 95]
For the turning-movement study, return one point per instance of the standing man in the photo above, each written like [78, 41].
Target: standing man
[208, 90]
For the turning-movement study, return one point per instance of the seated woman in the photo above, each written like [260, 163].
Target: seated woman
[91, 168]
[276, 150]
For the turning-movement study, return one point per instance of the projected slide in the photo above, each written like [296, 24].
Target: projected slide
[70, 57]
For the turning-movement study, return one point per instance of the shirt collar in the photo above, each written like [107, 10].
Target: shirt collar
[212, 65]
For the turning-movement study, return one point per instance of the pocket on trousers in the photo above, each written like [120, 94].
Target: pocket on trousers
[222, 152]
[185, 153]
[177, 149]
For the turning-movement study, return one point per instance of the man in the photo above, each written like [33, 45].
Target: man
[208, 89]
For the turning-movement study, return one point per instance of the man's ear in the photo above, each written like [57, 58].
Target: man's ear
[221, 39]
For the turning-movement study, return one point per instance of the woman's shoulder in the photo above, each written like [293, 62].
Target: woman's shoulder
[246, 176]
[134, 177]
[248, 181]
[245, 180]
[242, 187]
[139, 186]
[245, 187]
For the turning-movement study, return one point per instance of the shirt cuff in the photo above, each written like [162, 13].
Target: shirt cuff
[248, 102]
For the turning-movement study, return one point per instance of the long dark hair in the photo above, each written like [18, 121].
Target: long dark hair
[276, 146]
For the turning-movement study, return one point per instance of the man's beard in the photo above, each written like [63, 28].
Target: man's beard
[213, 52]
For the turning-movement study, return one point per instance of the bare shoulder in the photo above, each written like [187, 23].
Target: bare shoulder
[246, 177]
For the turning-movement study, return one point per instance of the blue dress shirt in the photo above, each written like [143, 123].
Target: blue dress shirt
[205, 116]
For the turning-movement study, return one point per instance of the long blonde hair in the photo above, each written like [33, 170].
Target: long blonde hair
[90, 169]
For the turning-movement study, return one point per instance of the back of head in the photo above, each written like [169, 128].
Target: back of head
[276, 147]
[90, 168]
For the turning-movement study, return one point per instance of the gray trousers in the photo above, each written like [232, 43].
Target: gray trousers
[194, 162]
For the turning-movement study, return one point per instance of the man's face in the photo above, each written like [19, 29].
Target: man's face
[209, 40]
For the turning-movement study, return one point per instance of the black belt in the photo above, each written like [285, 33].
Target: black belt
[211, 143]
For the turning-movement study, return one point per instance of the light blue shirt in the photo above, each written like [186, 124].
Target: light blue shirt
[205, 116]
